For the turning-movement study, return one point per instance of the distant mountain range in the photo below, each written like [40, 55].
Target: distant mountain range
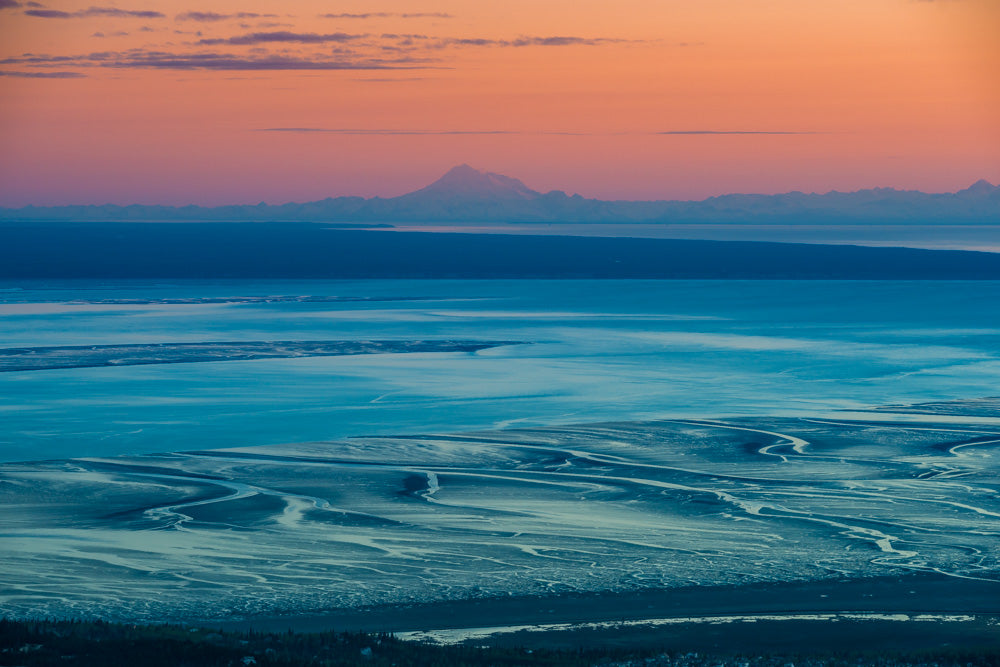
[465, 194]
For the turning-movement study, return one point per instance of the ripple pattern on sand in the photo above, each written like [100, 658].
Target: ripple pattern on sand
[613, 506]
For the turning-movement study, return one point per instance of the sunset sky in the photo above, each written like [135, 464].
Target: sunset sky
[146, 101]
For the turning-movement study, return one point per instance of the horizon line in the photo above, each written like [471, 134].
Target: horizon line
[374, 197]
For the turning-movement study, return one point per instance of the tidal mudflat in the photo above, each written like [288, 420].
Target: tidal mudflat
[611, 507]
[653, 450]
[94, 356]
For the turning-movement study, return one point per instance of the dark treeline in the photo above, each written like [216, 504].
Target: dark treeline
[53, 250]
[86, 644]
[74, 643]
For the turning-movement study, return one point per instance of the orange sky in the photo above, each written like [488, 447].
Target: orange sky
[132, 101]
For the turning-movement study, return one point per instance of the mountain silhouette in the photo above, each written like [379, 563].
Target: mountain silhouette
[464, 182]
[465, 194]
[982, 188]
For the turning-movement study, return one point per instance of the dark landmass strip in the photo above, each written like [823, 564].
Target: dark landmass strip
[913, 593]
[465, 194]
[89, 356]
[244, 299]
[760, 644]
[53, 250]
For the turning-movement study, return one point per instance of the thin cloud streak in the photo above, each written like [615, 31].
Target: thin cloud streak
[382, 15]
[112, 12]
[45, 75]
[558, 40]
[282, 36]
[209, 17]
[208, 61]
[396, 131]
[723, 132]
[378, 131]
[213, 61]
[314, 38]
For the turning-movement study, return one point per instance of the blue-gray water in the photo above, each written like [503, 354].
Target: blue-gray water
[984, 238]
[599, 350]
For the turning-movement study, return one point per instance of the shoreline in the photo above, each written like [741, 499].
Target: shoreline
[916, 594]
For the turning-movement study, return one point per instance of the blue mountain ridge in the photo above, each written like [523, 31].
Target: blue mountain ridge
[465, 194]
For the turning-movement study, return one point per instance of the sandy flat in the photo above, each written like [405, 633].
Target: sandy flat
[597, 521]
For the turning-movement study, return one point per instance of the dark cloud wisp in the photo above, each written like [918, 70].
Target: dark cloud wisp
[282, 36]
[161, 60]
[45, 75]
[209, 17]
[557, 40]
[112, 12]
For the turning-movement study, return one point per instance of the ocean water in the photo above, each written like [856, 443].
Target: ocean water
[588, 351]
